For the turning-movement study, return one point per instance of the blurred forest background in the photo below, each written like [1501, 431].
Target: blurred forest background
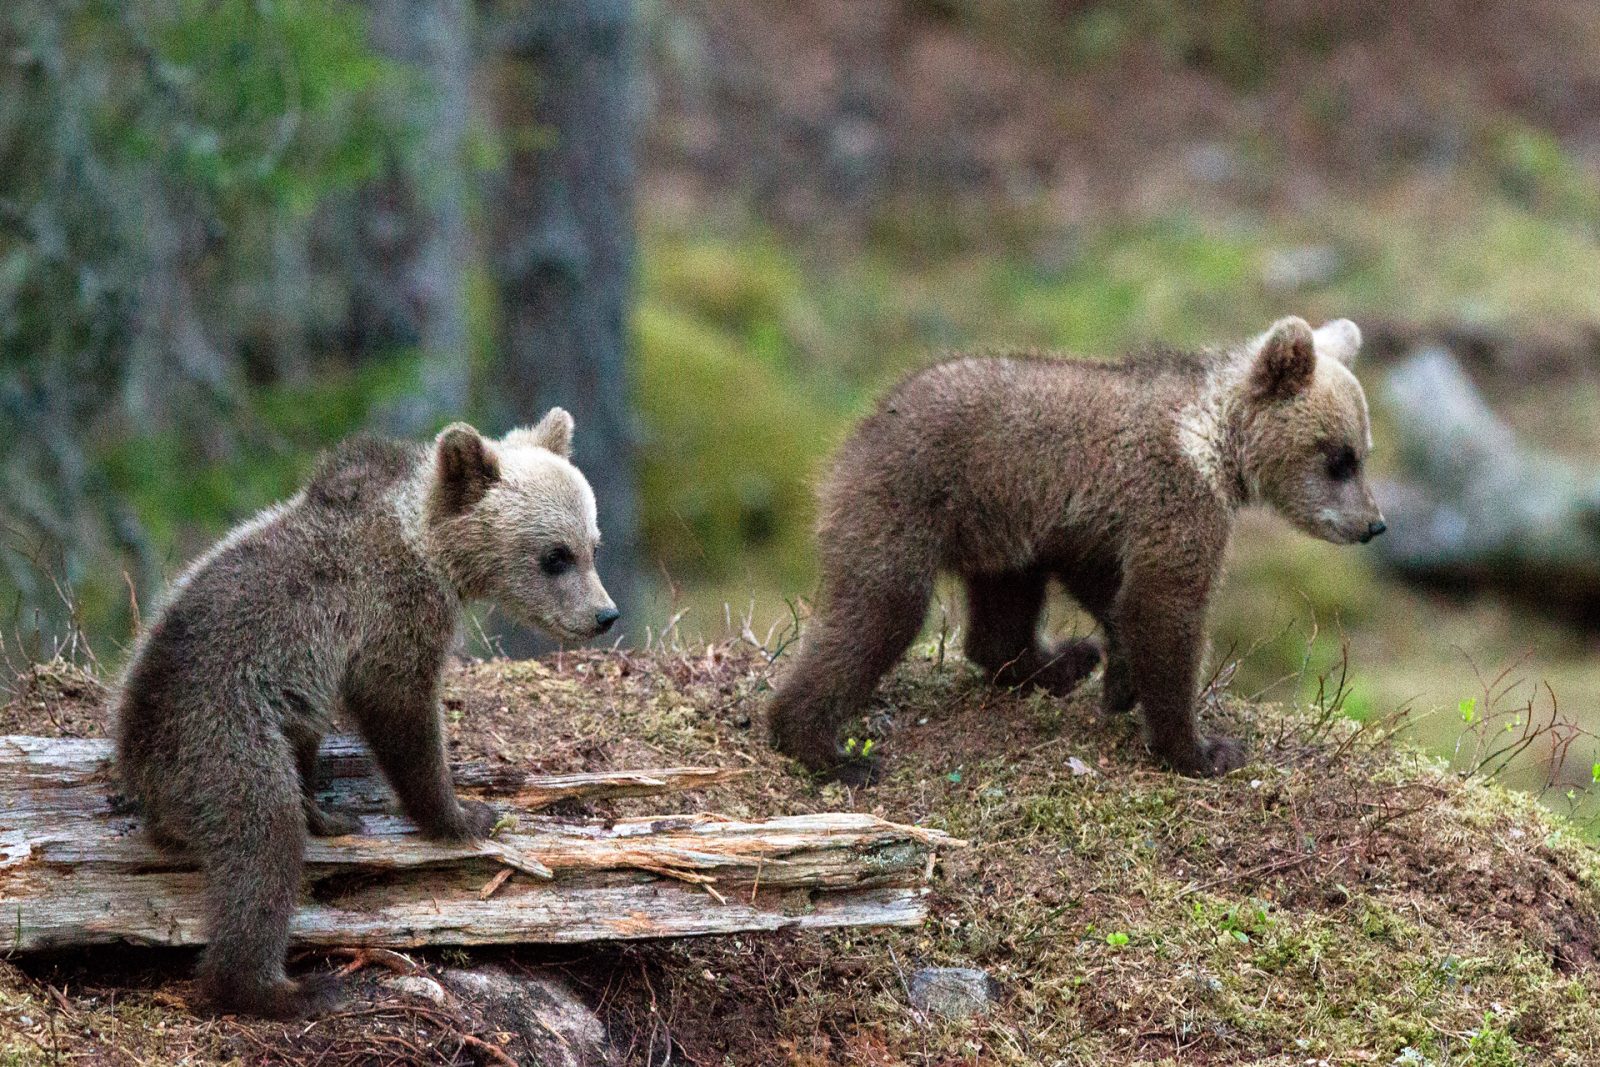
[235, 231]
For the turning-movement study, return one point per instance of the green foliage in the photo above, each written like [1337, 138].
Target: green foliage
[751, 288]
[1538, 173]
[249, 113]
[1232, 923]
[1226, 37]
[160, 165]
[260, 100]
[289, 424]
[1491, 1046]
[729, 451]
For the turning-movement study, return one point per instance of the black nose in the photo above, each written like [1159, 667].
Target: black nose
[1374, 530]
[604, 619]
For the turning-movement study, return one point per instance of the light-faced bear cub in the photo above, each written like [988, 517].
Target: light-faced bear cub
[1119, 480]
[346, 598]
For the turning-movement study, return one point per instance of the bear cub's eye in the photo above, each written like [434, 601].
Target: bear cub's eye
[557, 560]
[1343, 464]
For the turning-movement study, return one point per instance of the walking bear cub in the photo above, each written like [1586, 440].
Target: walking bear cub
[1119, 480]
[345, 598]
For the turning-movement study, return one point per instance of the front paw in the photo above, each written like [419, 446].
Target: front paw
[849, 769]
[1206, 757]
[856, 772]
[1224, 755]
[479, 818]
[471, 821]
[241, 994]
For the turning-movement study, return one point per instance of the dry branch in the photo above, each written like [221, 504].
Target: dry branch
[75, 868]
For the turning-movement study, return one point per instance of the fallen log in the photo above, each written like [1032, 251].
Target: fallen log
[1472, 506]
[75, 868]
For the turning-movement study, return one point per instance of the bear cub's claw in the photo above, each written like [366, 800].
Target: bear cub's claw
[856, 772]
[1210, 758]
[320, 994]
[472, 821]
[479, 817]
[825, 761]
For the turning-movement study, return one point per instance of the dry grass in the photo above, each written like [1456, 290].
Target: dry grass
[1342, 900]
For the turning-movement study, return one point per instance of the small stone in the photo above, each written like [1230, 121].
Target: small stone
[416, 985]
[1301, 268]
[953, 992]
[1079, 768]
[1213, 164]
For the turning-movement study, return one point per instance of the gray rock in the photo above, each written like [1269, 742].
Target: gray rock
[556, 1028]
[1300, 268]
[416, 985]
[953, 992]
[1213, 164]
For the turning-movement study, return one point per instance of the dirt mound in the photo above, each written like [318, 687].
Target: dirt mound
[1341, 898]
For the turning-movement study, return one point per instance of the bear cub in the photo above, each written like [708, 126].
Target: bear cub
[1118, 480]
[345, 599]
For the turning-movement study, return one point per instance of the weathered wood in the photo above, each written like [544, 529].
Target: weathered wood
[1473, 506]
[75, 868]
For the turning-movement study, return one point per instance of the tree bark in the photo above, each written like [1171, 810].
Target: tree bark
[566, 96]
[424, 271]
[75, 868]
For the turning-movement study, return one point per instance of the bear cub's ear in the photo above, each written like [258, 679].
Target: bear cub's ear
[554, 432]
[1339, 339]
[1285, 361]
[465, 467]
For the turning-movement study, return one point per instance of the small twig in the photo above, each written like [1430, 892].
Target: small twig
[492, 886]
[512, 858]
[366, 957]
[494, 1052]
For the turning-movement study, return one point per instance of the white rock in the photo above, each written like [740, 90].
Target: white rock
[952, 992]
[416, 985]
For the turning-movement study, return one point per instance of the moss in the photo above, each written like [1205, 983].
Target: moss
[746, 285]
[727, 464]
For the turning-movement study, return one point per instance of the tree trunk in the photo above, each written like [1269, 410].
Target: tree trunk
[419, 242]
[75, 868]
[565, 91]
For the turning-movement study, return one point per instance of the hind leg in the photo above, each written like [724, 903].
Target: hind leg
[1002, 624]
[249, 834]
[862, 630]
[320, 822]
[1096, 590]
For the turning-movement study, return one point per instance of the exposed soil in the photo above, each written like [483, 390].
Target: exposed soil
[1340, 898]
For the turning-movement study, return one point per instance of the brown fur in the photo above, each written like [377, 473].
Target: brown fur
[1120, 481]
[346, 598]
